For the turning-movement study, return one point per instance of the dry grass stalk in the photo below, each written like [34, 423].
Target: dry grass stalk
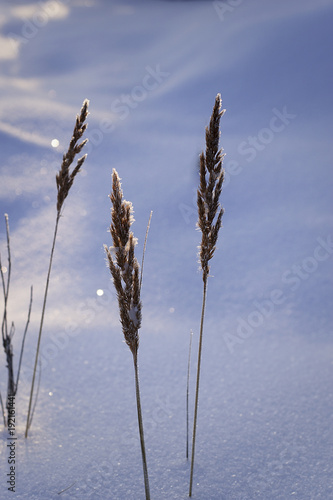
[8, 333]
[124, 269]
[144, 247]
[188, 393]
[64, 180]
[209, 222]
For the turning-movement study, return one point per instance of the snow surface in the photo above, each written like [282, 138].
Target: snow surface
[151, 70]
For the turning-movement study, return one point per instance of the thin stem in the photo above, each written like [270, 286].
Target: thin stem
[23, 341]
[37, 391]
[187, 393]
[6, 288]
[7, 335]
[41, 323]
[142, 440]
[66, 489]
[3, 411]
[197, 386]
[10, 367]
[144, 248]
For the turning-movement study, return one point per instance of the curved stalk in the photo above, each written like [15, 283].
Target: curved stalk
[187, 393]
[197, 385]
[142, 439]
[41, 325]
[23, 340]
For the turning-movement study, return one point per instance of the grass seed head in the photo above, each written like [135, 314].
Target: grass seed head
[123, 264]
[210, 211]
[64, 178]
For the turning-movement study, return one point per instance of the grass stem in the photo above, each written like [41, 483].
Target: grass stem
[64, 181]
[197, 384]
[144, 247]
[29, 419]
[3, 411]
[142, 439]
[187, 393]
[23, 339]
[125, 271]
[8, 333]
[209, 222]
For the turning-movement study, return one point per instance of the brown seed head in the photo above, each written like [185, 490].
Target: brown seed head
[124, 266]
[211, 179]
[64, 179]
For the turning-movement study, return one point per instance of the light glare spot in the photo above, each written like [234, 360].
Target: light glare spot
[4, 269]
[171, 310]
[50, 393]
[100, 292]
[55, 143]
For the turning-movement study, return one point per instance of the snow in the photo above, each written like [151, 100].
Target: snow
[264, 428]
[151, 71]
